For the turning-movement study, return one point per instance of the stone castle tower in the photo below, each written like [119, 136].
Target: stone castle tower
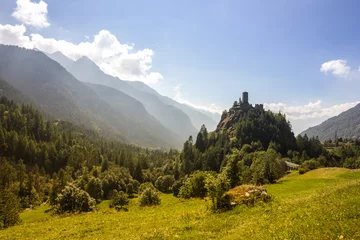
[245, 97]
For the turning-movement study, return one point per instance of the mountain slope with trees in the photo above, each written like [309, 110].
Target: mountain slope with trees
[60, 95]
[346, 125]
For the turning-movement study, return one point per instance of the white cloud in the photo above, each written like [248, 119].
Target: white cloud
[213, 108]
[338, 68]
[310, 110]
[14, 35]
[105, 50]
[32, 13]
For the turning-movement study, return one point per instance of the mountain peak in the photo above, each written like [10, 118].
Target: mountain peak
[85, 59]
[60, 58]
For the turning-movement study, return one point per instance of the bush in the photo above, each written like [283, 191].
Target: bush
[194, 186]
[149, 197]
[310, 164]
[94, 188]
[303, 170]
[73, 199]
[130, 189]
[145, 186]
[9, 209]
[164, 183]
[216, 187]
[176, 187]
[119, 200]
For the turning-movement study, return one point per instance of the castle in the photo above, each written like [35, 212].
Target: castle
[244, 105]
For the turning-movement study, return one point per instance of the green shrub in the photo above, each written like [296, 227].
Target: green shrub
[94, 188]
[194, 186]
[216, 186]
[72, 199]
[149, 197]
[119, 199]
[144, 186]
[310, 164]
[130, 189]
[176, 187]
[302, 170]
[164, 183]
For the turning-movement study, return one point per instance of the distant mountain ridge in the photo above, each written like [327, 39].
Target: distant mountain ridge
[197, 117]
[171, 117]
[59, 94]
[345, 125]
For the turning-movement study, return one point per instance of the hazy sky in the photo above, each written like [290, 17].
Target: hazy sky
[298, 57]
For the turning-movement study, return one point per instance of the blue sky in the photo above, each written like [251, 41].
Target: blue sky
[208, 52]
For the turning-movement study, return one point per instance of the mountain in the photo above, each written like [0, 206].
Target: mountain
[345, 125]
[197, 117]
[135, 110]
[169, 116]
[59, 94]
[60, 58]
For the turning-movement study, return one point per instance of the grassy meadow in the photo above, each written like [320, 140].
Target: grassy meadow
[321, 204]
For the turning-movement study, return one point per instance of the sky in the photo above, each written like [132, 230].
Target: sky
[298, 57]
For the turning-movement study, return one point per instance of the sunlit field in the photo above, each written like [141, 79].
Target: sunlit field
[321, 204]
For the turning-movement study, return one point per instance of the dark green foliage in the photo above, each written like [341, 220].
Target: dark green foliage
[352, 162]
[310, 148]
[7, 174]
[138, 175]
[119, 199]
[94, 188]
[165, 183]
[194, 186]
[72, 199]
[202, 139]
[302, 170]
[9, 209]
[176, 187]
[311, 164]
[130, 189]
[149, 197]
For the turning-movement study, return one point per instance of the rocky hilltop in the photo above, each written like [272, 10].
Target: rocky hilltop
[245, 123]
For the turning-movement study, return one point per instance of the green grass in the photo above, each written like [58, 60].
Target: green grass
[321, 204]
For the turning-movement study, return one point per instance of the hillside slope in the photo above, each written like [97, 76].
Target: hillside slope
[345, 125]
